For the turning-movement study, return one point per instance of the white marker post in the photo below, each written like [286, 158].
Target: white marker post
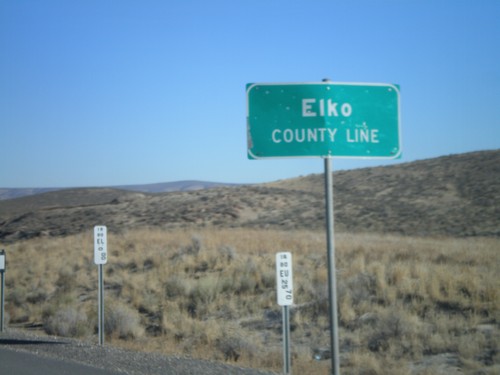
[284, 286]
[100, 258]
[2, 275]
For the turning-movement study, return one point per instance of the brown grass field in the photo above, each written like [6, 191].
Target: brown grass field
[407, 305]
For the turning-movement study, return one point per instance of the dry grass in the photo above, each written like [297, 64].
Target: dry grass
[404, 302]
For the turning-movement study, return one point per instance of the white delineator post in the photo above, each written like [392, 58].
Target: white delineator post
[284, 286]
[100, 258]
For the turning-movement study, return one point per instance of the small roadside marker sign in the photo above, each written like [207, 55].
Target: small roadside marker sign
[100, 244]
[284, 278]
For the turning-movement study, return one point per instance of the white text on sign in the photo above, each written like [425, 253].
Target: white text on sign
[313, 108]
[284, 279]
[303, 135]
[325, 108]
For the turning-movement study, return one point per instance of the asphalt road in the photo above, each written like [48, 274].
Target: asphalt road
[24, 352]
[23, 363]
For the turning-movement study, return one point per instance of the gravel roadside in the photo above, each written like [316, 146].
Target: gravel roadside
[115, 359]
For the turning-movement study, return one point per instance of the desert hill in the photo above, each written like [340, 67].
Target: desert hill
[456, 195]
[164, 187]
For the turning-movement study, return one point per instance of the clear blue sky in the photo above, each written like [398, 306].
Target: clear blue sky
[102, 92]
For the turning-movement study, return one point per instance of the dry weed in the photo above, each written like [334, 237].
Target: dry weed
[210, 293]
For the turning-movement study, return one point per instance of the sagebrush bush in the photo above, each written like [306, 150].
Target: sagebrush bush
[176, 287]
[234, 347]
[68, 322]
[122, 321]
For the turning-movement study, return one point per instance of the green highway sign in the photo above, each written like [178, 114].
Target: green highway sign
[324, 119]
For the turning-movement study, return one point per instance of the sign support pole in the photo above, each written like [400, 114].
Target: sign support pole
[332, 278]
[2, 273]
[287, 363]
[101, 306]
[2, 276]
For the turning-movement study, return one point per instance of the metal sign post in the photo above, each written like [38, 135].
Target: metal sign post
[2, 275]
[287, 361]
[284, 286]
[100, 306]
[100, 258]
[332, 278]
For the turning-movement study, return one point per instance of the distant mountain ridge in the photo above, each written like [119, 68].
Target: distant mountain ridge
[165, 187]
[162, 187]
[455, 196]
[12, 193]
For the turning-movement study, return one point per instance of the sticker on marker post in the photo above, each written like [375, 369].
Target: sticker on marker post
[100, 244]
[284, 278]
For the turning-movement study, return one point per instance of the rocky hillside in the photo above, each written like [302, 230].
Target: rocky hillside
[457, 195]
